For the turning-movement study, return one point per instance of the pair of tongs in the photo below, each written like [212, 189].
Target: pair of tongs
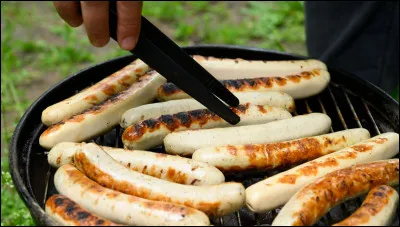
[164, 56]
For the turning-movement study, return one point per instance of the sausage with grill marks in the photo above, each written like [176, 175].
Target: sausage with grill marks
[214, 200]
[168, 167]
[150, 133]
[95, 94]
[120, 207]
[225, 68]
[299, 86]
[378, 208]
[280, 154]
[104, 116]
[276, 190]
[140, 113]
[68, 213]
[315, 199]
[187, 142]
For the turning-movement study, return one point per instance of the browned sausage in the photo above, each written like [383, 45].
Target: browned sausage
[378, 208]
[120, 207]
[311, 202]
[151, 132]
[298, 86]
[104, 116]
[95, 94]
[67, 212]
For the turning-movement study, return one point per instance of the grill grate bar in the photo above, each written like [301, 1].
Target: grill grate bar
[239, 219]
[351, 107]
[117, 134]
[337, 108]
[47, 182]
[323, 109]
[370, 116]
[307, 106]
[257, 217]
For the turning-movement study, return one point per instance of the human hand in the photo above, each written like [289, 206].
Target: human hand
[94, 15]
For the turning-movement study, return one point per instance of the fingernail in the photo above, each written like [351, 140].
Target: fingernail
[128, 43]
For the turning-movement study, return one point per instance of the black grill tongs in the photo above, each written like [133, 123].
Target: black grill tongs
[167, 58]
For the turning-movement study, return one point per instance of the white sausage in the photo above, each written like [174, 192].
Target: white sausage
[152, 110]
[272, 155]
[101, 118]
[312, 201]
[225, 68]
[214, 200]
[120, 207]
[95, 94]
[378, 209]
[151, 132]
[299, 86]
[68, 213]
[186, 142]
[168, 167]
[275, 191]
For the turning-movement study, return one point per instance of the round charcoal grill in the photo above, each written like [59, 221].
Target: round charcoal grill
[349, 101]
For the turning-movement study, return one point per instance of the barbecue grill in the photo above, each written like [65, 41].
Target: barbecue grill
[349, 101]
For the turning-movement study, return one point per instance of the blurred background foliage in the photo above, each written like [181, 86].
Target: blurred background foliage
[38, 50]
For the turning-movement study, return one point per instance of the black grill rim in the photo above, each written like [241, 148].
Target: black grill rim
[19, 146]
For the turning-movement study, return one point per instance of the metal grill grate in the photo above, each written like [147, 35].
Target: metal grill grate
[346, 110]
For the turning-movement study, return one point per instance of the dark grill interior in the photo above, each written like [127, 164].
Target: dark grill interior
[349, 103]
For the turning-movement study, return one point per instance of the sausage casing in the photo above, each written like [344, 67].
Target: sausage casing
[120, 207]
[153, 110]
[378, 208]
[311, 202]
[168, 167]
[276, 190]
[151, 132]
[68, 213]
[101, 118]
[95, 94]
[187, 142]
[299, 86]
[214, 200]
[226, 68]
[279, 154]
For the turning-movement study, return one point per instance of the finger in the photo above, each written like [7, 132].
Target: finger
[95, 18]
[128, 28]
[70, 11]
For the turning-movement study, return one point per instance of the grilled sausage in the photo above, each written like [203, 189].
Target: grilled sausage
[298, 86]
[140, 113]
[280, 154]
[275, 191]
[168, 167]
[225, 69]
[214, 200]
[378, 208]
[150, 133]
[186, 142]
[120, 207]
[95, 94]
[311, 202]
[68, 213]
[104, 116]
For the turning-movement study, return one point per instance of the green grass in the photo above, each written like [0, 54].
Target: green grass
[36, 44]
